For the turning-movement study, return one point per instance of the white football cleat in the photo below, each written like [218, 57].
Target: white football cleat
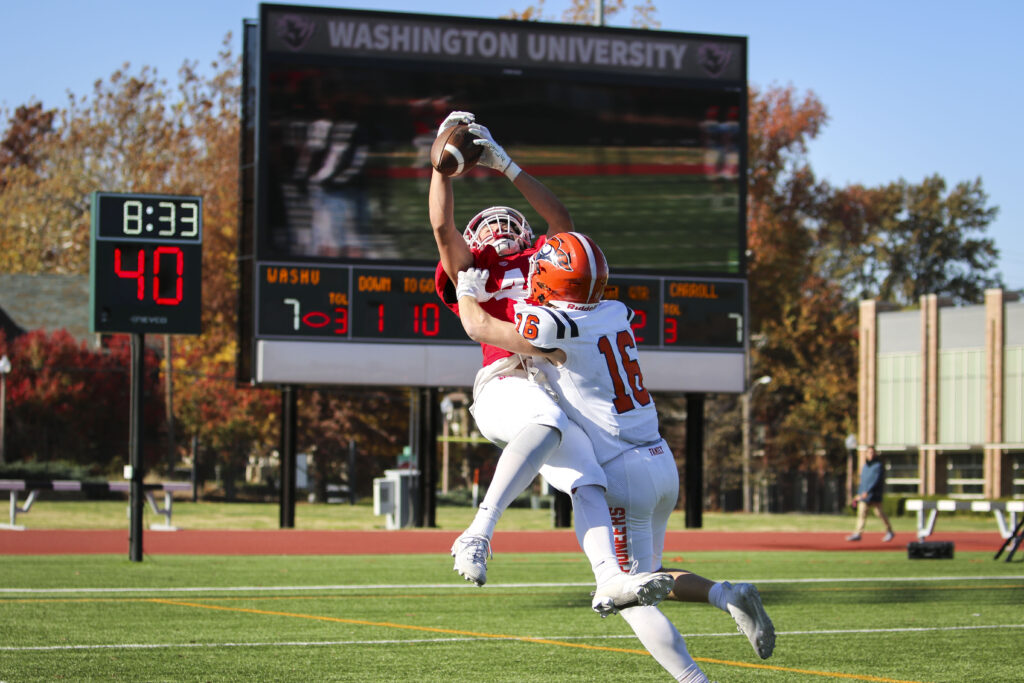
[744, 603]
[631, 590]
[471, 553]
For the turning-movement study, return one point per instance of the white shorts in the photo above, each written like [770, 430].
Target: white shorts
[504, 404]
[573, 464]
[643, 486]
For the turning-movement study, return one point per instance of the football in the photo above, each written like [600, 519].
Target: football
[453, 152]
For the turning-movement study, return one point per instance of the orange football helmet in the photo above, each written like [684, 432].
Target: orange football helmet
[502, 227]
[568, 267]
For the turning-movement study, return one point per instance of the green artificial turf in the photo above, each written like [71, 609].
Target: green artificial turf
[868, 616]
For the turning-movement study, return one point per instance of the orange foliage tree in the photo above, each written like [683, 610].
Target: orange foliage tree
[135, 134]
[67, 403]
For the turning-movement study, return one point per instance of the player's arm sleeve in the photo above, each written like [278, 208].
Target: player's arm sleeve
[445, 288]
[451, 247]
[544, 202]
[543, 328]
[484, 328]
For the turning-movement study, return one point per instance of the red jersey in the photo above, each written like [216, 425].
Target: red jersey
[506, 283]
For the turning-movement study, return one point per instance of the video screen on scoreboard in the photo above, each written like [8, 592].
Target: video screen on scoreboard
[653, 173]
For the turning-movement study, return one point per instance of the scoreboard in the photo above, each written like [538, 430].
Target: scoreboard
[399, 304]
[337, 258]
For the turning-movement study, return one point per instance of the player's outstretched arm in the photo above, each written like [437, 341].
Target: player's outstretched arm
[542, 199]
[486, 329]
[451, 246]
[544, 202]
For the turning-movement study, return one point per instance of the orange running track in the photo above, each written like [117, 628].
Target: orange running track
[295, 542]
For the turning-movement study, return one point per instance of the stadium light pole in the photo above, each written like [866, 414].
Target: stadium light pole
[747, 395]
[5, 367]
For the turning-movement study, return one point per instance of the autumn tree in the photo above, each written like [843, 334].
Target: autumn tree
[68, 403]
[584, 12]
[815, 251]
[26, 128]
[136, 134]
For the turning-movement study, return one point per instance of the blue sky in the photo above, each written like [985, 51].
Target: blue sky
[912, 88]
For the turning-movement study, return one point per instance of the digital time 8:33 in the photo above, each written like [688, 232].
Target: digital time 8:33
[157, 228]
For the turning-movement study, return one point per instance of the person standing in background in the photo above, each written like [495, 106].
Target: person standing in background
[869, 495]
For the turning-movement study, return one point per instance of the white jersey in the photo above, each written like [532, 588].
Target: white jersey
[600, 386]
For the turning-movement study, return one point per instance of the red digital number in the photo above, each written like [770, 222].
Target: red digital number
[139, 273]
[341, 321]
[426, 320]
[639, 322]
[179, 268]
[671, 331]
[316, 319]
[319, 319]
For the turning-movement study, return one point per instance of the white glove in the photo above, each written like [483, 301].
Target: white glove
[493, 156]
[454, 119]
[473, 282]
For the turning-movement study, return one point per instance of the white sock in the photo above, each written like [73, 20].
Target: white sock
[692, 675]
[664, 642]
[719, 595]
[517, 467]
[594, 531]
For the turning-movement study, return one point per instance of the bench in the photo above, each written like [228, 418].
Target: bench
[34, 486]
[925, 527]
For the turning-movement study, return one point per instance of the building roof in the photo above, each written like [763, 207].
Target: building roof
[48, 302]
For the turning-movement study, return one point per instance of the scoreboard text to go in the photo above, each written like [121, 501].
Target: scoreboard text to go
[353, 303]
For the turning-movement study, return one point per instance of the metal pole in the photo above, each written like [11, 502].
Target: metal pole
[745, 401]
[351, 472]
[745, 407]
[195, 468]
[138, 360]
[169, 401]
[694, 461]
[426, 459]
[289, 409]
[5, 367]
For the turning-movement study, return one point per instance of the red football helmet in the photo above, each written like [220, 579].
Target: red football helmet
[568, 267]
[502, 227]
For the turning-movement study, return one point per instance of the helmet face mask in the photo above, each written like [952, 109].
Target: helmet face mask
[568, 267]
[501, 227]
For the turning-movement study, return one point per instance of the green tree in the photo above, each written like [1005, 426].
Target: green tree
[900, 241]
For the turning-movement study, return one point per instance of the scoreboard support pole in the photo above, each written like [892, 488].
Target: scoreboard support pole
[694, 461]
[424, 432]
[289, 416]
[135, 422]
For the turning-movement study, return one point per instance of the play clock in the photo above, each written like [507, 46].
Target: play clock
[146, 263]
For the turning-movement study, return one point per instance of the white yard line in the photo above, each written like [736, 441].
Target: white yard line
[364, 587]
[411, 641]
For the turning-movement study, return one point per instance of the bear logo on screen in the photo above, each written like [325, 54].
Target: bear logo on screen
[714, 57]
[295, 30]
